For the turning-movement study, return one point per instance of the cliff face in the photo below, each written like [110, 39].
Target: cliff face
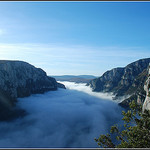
[20, 79]
[146, 104]
[123, 81]
[136, 90]
[107, 81]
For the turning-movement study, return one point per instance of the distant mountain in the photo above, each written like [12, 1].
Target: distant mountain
[73, 78]
[128, 81]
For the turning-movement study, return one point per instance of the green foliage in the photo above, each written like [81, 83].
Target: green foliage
[136, 133]
[149, 94]
[105, 141]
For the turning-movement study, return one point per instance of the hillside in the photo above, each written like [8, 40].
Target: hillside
[127, 81]
[20, 79]
[73, 78]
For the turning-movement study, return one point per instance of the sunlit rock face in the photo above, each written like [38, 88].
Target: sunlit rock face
[124, 82]
[146, 104]
[20, 79]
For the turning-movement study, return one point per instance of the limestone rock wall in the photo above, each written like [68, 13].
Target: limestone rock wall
[20, 79]
[146, 104]
[127, 81]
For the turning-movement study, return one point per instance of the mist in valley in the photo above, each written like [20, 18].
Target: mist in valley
[66, 118]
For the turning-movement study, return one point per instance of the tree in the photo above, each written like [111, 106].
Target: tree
[136, 132]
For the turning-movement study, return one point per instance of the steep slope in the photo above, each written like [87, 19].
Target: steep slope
[20, 79]
[127, 81]
[136, 90]
[107, 81]
[146, 105]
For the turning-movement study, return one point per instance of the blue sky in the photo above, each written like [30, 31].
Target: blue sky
[75, 37]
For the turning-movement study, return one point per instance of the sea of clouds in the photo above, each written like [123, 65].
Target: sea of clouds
[66, 118]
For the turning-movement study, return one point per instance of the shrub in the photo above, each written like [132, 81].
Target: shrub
[136, 132]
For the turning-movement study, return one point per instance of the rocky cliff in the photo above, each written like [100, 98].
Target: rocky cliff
[146, 104]
[20, 79]
[127, 81]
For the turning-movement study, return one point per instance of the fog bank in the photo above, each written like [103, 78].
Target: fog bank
[64, 118]
[82, 87]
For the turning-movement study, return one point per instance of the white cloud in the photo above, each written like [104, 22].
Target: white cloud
[82, 87]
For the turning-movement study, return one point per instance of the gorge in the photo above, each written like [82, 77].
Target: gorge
[66, 118]
[36, 106]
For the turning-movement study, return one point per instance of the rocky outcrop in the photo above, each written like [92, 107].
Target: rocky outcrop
[60, 85]
[20, 79]
[146, 105]
[137, 92]
[127, 81]
[107, 81]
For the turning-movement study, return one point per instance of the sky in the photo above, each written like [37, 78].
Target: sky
[75, 38]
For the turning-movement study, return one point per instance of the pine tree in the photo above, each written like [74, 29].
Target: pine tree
[136, 132]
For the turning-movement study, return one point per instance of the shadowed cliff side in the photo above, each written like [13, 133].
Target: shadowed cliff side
[20, 79]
